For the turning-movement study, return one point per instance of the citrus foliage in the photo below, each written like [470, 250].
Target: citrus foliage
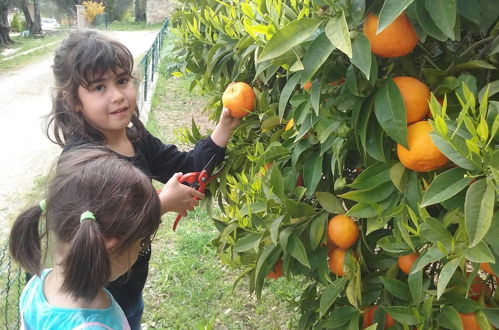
[342, 141]
[92, 9]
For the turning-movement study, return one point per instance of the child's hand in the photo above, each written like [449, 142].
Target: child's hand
[223, 131]
[177, 197]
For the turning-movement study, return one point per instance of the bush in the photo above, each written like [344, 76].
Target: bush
[92, 9]
[18, 24]
[438, 203]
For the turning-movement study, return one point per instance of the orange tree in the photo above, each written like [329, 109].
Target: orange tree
[414, 79]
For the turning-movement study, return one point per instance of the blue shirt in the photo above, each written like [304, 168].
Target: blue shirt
[37, 313]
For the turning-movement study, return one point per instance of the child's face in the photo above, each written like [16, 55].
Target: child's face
[109, 102]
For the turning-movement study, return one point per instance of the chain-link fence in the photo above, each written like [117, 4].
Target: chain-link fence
[12, 277]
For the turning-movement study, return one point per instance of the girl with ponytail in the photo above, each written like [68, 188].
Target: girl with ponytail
[99, 215]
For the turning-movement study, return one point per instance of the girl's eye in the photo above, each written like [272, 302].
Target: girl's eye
[123, 81]
[98, 88]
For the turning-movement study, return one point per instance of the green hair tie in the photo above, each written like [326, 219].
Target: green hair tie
[43, 205]
[87, 215]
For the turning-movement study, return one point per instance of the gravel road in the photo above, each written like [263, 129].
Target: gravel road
[26, 153]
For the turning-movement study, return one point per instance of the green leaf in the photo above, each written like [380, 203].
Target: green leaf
[277, 182]
[470, 10]
[362, 210]
[446, 274]
[431, 255]
[248, 242]
[337, 31]
[286, 93]
[445, 185]
[361, 54]
[415, 281]
[297, 250]
[479, 253]
[401, 314]
[330, 294]
[478, 210]
[297, 209]
[395, 287]
[390, 11]
[372, 176]
[317, 53]
[373, 195]
[312, 173]
[317, 230]
[390, 112]
[265, 263]
[427, 23]
[448, 149]
[449, 318]
[288, 37]
[274, 228]
[433, 230]
[329, 202]
[443, 13]
[397, 175]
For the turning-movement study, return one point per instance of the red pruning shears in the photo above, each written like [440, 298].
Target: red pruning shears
[198, 181]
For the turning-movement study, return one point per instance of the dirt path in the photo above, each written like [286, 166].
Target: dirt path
[27, 154]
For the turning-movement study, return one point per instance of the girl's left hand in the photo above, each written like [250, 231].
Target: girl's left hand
[227, 121]
[223, 131]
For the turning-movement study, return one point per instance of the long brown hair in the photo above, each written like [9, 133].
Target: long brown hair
[125, 206]
[82, 56]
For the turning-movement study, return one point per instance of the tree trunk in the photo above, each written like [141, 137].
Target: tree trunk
[27, 15]
[37, 21]
[4, 25]
[140, 11]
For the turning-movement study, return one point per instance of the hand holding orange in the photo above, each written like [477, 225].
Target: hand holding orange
[239, 98]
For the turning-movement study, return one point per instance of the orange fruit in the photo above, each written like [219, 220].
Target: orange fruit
[239, 98]
[423, 155]
[416, 96]
[277, 271]
[307, 85]
[336, 82]
[486, 268]
[369, 317]
[337, 261]
[342, 231]
[289, 125]
[469, 321]
[405, 262]
[398, 39]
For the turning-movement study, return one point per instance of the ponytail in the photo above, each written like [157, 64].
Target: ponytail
[86, 263]
[24, 240]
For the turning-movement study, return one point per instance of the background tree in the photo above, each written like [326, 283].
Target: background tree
[140, 10]
[116, 9]
[4, 23]
[37, 20]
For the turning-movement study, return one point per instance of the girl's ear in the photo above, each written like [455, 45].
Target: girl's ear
[111, 243]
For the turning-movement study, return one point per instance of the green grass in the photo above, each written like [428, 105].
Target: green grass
[188, 286]
[47, 45]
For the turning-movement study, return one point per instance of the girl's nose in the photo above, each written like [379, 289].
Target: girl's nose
[117, 94]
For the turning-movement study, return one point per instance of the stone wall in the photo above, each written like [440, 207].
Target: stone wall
[158, 10]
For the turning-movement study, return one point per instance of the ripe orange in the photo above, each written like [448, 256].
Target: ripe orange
[423, 155]
[239, 98]
[398, 39]
[405, 262]
[337, 261]
[307, 85]
[289, 125]
[486, 268]
[369, 317]
[277, 272]
[469, 321]
[342, 231]
[416, 96]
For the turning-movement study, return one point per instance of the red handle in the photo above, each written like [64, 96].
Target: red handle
[195, 177]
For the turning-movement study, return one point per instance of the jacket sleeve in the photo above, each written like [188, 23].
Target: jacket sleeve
[165, 159]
